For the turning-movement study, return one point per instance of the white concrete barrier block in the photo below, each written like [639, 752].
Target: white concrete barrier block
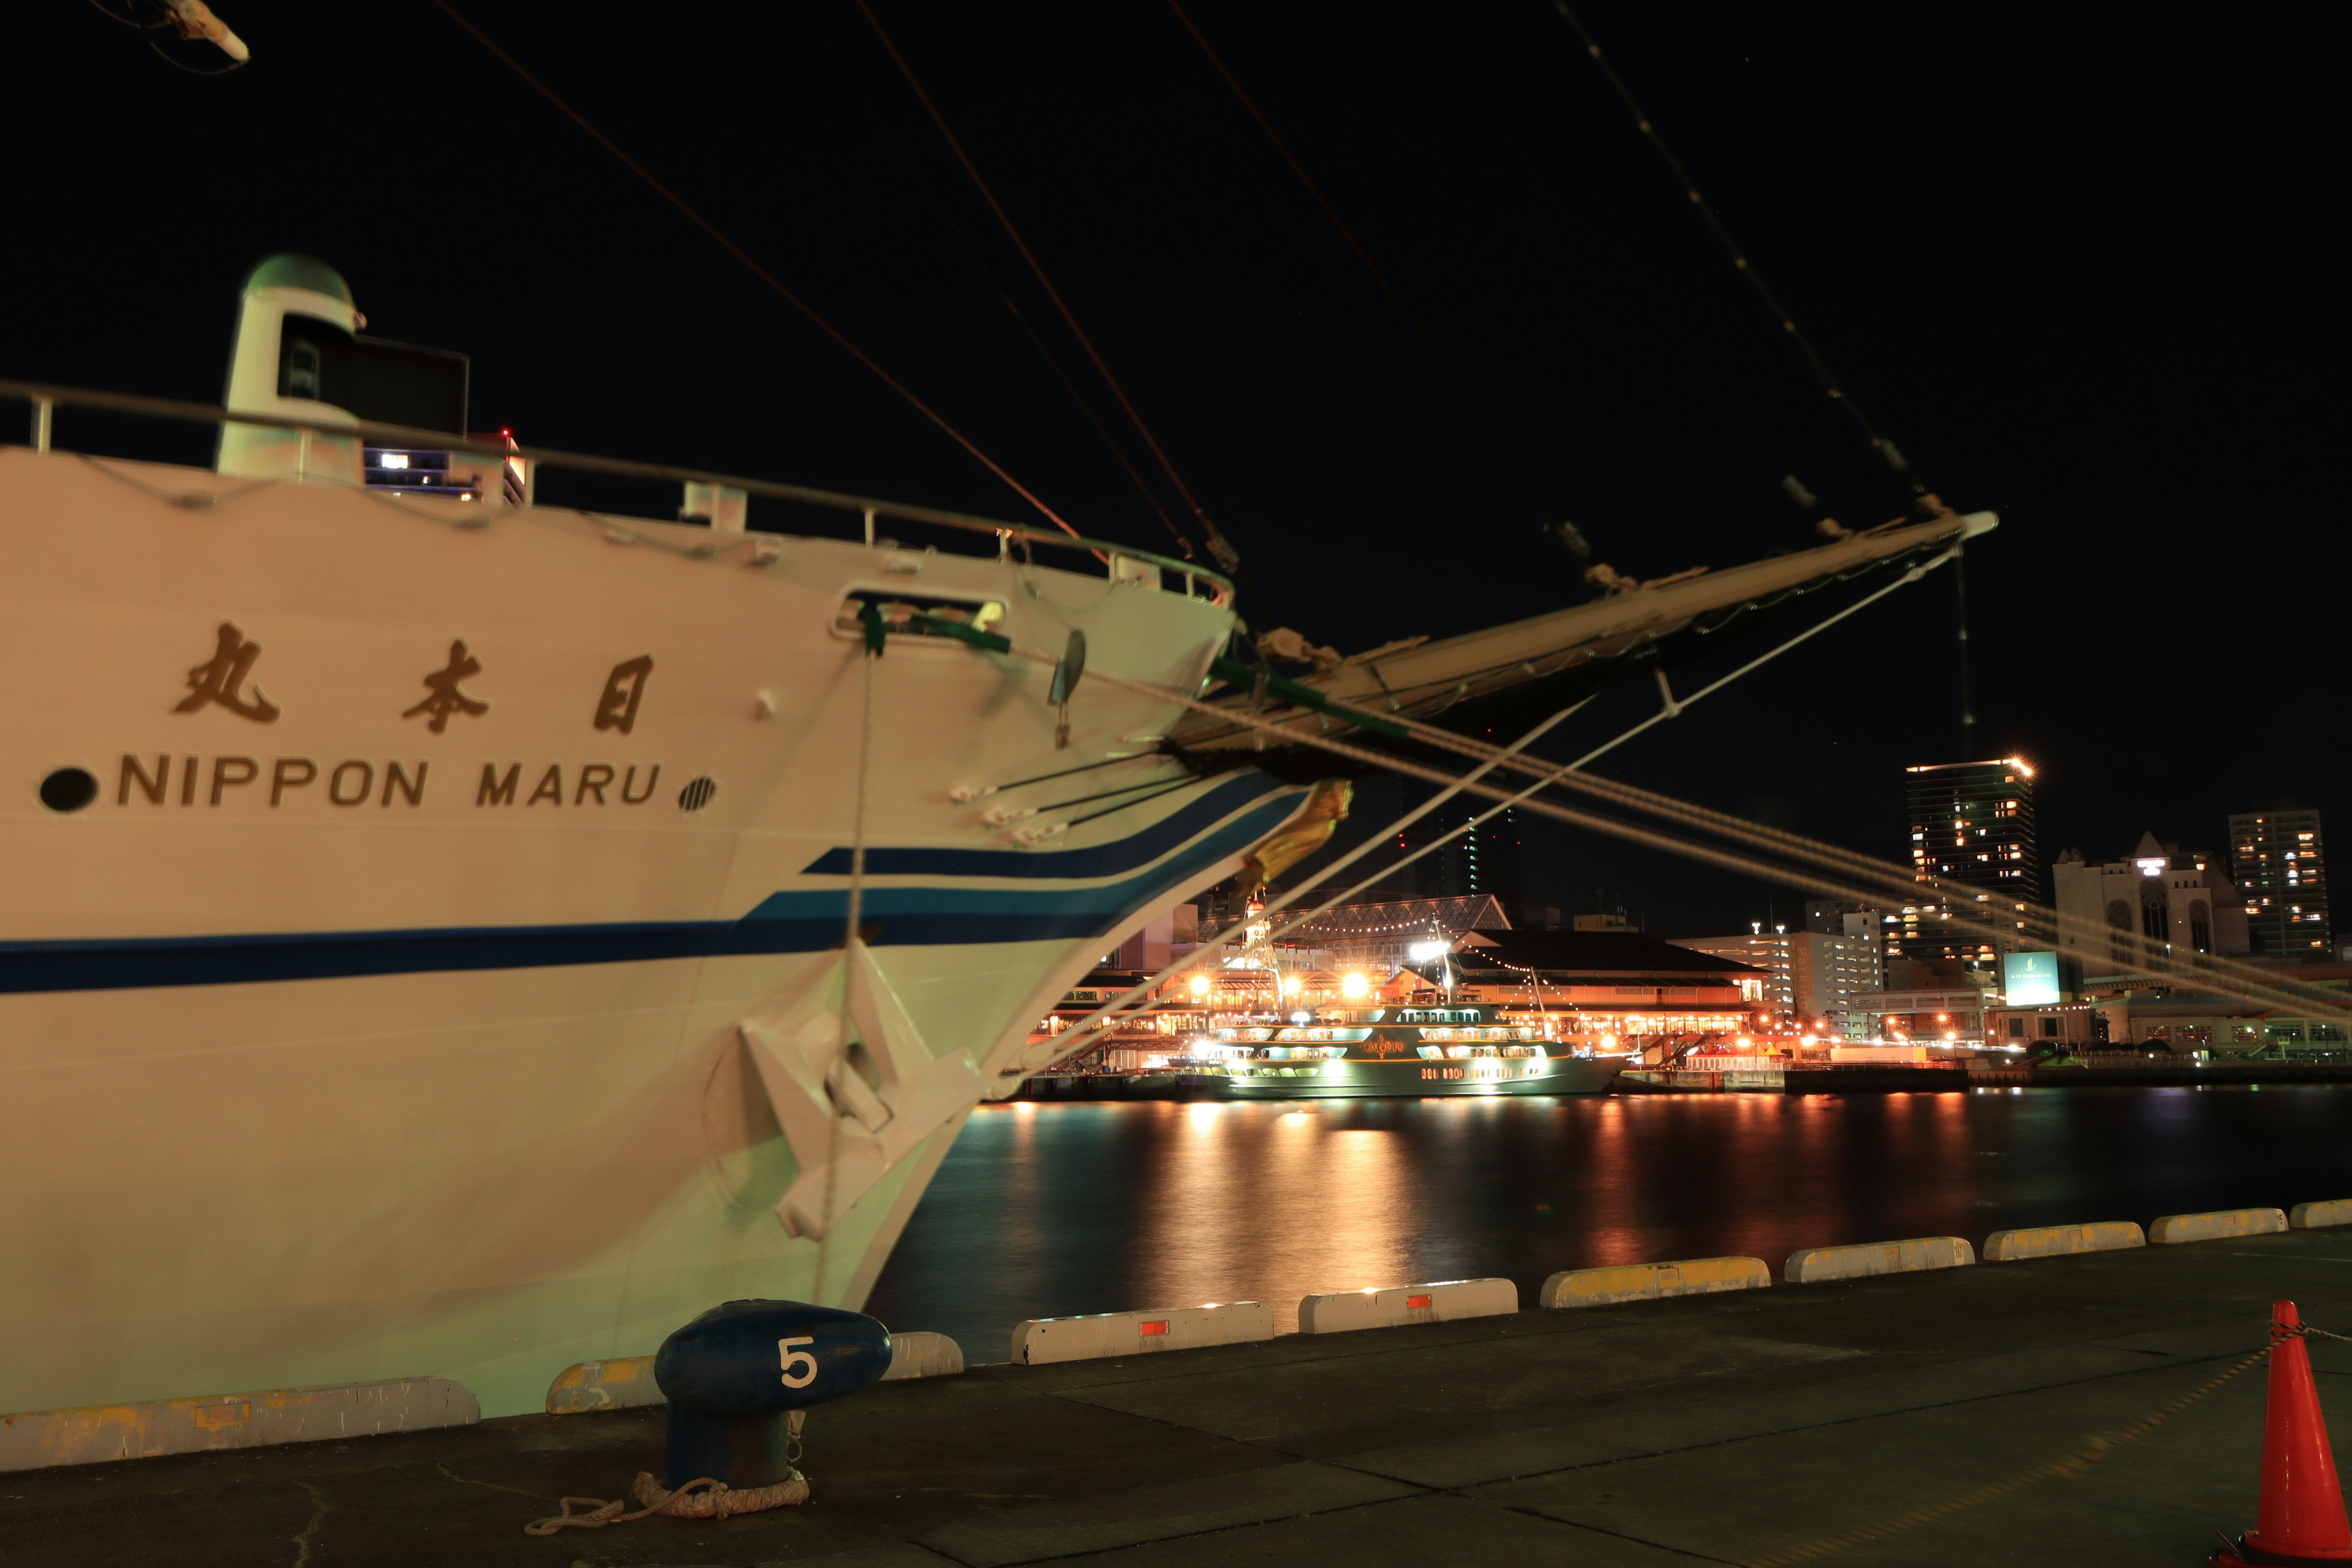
[623, 1382]
[2317, 1216]
[2219, 1225]
[919, 1353]
[1042, 1340]
[1650, 1282]
[2059, 1240]
[1813, 1265]
[93, 1433]
[1439, 1302]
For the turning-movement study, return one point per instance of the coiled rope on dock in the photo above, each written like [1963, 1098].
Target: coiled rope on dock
[704, 1497]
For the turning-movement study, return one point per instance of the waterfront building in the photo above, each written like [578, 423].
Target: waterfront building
[1614, 985]
[2160, 893]
[1971, 824]
[1815, 978]
[2070, 1026]
[1594, 990]
[1951, 1014]
[2164, 1012]
[2279, 862]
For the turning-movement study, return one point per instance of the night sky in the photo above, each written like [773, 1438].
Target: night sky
[2084, 266]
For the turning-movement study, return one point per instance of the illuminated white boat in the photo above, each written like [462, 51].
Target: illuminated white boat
[1424, 1045]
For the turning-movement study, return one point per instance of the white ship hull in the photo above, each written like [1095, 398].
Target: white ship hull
[324, 1060]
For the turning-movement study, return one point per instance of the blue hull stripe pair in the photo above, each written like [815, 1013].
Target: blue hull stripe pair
[1072, 865]
[807, 922]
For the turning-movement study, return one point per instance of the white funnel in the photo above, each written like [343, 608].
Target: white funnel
[296, 315]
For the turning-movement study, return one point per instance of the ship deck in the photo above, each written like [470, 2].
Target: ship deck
[1714, 1429]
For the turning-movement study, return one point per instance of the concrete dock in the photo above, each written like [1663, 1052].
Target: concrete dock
[1763, 1427]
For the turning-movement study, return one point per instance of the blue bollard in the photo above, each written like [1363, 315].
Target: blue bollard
[735, 1375]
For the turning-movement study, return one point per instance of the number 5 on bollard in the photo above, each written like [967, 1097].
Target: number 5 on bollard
[801, 1359]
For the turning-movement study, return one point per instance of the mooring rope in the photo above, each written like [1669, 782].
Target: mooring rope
[704, 1497]
[869, 654]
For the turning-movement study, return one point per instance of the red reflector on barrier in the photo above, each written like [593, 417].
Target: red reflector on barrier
[1415, 1303]
[1159, 1328]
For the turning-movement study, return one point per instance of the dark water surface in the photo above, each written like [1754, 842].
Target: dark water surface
[1046, 1210]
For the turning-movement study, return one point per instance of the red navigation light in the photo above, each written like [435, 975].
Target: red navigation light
[1159, 1326]
[1415, 1303]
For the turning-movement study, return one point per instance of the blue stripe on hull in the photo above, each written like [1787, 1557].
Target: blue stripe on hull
[1098, 860]
[782, 922]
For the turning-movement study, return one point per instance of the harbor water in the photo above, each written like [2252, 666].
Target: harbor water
[1049, 1210]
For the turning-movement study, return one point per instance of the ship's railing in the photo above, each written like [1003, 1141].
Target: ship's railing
[1196, 582]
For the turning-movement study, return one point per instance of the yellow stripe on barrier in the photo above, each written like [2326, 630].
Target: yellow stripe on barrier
[40, 1438]
[2220, 1225]
[1651, 1281]
[623, 1382]
[1813, 1265]
[2059, 1240]
[2319, 1215]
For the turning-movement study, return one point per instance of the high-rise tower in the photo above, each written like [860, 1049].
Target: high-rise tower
[2279, 862]
[1971, 826]
[1484, 860]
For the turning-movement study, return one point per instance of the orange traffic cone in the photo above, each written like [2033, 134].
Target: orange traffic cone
[2300, 1519]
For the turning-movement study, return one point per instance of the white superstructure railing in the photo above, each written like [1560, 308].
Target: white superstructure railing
[1122, 562]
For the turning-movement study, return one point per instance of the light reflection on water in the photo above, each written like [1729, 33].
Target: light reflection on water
[1046, 1210]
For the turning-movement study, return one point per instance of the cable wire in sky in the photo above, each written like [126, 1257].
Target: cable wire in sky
[761, 273]
[1554, 517]
[1885, 449]
[1218, 544]
[1052, 362]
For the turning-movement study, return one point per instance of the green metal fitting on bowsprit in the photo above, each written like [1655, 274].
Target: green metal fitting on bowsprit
[963, 633]
[1239, 674]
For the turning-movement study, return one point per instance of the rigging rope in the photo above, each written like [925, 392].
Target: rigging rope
[1902, 883]
[1632, 292]
[2221, 975]
[761, 273]
[870, 652]
[1219, 546]
[1144, 991]
[1886, 449]
[1888, 879]
[1554, 517]
[1097, 1019]
[2223, 982]
[1052, 362]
